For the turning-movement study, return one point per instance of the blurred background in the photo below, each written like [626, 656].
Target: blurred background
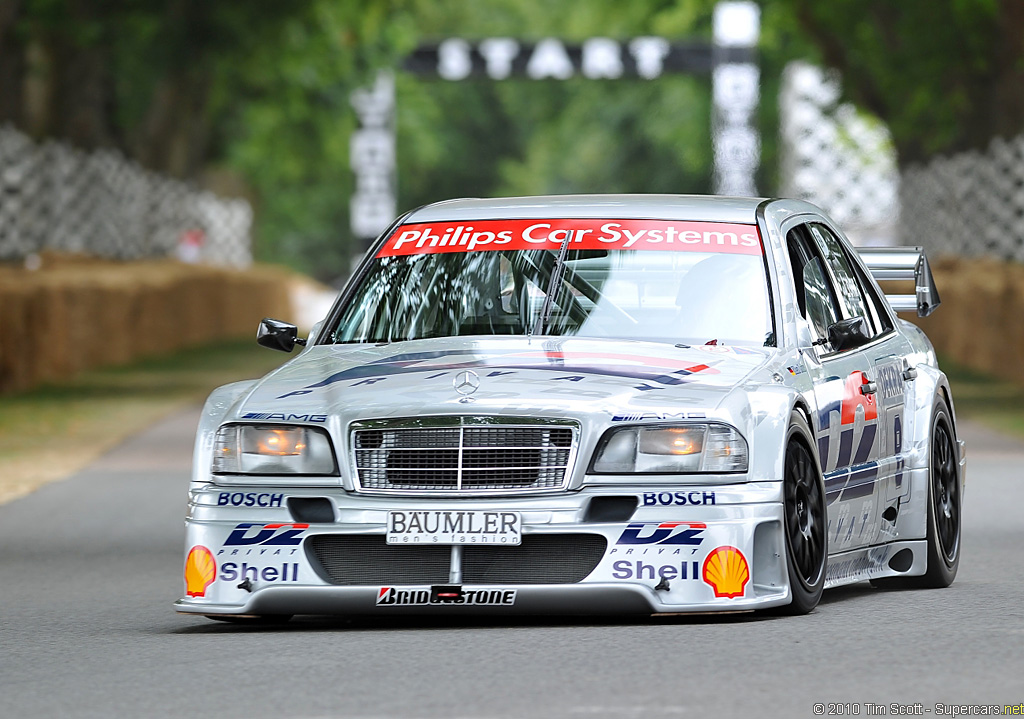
[224, 131]
[173, 170]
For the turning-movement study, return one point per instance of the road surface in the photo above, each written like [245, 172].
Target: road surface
[89, 568]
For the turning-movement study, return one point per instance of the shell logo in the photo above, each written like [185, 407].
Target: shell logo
[726, 572]
[200, 571]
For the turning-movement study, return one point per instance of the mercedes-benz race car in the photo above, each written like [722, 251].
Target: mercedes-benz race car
[586, 404]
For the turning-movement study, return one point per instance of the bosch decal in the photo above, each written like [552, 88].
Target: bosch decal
[286, 572]
[249, 499]
[582, 234]
[638, 569]
[677, 499]
[413, 597]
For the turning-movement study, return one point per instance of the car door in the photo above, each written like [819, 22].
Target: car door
[887, 354]
[849, 420]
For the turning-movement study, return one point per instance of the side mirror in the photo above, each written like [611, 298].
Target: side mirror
[846, 334]
[278, 335]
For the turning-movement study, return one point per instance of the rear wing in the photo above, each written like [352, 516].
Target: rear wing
[904, 263]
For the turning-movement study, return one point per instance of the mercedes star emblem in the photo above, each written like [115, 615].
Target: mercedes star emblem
[466, 382]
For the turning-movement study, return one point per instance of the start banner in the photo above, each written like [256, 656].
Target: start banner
[583, 234]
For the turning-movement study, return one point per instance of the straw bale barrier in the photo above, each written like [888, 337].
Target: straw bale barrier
[75, 313]
[980, 323]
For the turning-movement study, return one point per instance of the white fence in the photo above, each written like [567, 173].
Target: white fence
[835, 157]
[969, 204]
[53, 197]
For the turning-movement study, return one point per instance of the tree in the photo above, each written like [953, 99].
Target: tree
[945, 75]
[139, 75]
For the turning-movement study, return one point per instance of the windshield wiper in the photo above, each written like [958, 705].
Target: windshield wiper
[557, 272]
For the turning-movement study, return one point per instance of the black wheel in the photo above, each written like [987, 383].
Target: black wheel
[805, 521]
[943, 533]
[263, 620]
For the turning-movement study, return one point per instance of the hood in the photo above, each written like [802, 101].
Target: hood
[515, 376]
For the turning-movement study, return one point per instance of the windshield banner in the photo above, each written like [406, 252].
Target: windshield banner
[583, 234]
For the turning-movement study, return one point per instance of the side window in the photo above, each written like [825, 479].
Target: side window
[797, 258]
[851, 299]
[821, 307]
[814, 290]
[878, 305]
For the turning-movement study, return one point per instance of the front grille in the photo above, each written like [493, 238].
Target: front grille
[465, 458]
[367, 559]
[353, 559]
[540, 559]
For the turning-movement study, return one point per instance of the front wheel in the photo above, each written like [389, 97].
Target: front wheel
[805, 521]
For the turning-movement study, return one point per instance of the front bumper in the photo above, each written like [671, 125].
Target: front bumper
[709, 548]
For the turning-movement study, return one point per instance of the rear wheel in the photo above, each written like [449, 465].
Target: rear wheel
[943, 534]
[805, 521]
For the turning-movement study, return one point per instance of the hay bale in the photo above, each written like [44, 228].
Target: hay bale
[77, 313]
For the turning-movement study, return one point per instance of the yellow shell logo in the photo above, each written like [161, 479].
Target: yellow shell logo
[726, 571]
[200, 571]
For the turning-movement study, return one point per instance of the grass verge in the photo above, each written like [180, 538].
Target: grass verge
[49, 433]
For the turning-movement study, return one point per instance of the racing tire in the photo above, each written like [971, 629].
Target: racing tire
[264, 620]
[944, 505]
[805, 521]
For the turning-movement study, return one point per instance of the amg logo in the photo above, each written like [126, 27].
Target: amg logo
[657, 415]
[286, 417]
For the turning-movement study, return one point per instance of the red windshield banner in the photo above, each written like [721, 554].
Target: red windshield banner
[584, 234]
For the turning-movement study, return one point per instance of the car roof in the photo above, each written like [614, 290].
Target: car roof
[706, 208]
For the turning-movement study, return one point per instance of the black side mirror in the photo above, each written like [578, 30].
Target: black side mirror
[278, 335]
[846, 334]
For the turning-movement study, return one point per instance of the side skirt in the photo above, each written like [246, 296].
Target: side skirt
[895, 559]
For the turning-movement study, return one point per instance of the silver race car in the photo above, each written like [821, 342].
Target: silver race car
[586, 404]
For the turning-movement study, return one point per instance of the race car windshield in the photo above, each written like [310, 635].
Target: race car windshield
[682, 282]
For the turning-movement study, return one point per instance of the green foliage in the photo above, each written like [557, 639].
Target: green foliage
[931, 69]
[289, 136]
[262, 87]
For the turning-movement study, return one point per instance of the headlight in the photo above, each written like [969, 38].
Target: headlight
[274, 449]
[661, 449]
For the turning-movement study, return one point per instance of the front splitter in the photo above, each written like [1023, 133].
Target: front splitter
[578, 599]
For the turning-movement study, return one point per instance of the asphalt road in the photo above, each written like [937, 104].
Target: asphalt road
[89, 568]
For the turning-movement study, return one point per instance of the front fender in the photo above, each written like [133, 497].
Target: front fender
[217, 405]
[765, 424]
